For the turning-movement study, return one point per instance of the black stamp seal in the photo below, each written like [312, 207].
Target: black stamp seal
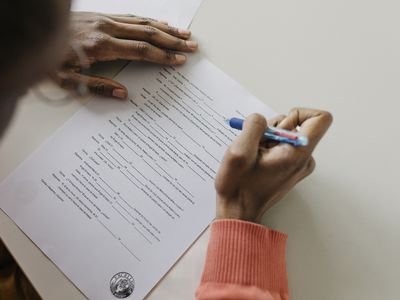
[122, 285]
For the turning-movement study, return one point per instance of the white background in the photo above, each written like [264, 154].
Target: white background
[343, 222]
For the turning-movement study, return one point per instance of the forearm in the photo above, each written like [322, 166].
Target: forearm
[244, 261]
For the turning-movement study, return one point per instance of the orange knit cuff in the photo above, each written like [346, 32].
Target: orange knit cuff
[245, 253]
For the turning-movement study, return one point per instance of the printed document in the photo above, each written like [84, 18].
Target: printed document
[118, 193]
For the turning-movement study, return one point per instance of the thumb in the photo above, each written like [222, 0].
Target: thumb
[71, 80]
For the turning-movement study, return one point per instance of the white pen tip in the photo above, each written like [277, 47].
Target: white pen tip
[227, 121]
[303, 140]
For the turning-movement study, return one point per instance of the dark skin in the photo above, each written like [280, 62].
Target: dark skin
[254, 174]
[126, 37]
[103, 38]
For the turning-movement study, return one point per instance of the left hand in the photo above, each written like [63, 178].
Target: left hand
[126, 37]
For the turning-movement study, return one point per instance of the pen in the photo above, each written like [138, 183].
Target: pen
[274, 133]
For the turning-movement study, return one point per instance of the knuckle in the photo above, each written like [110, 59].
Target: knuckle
[170, 56]
[142, 48]
[294, 117]
[144, 21]
[150, 31]
[181, 43]
[257, 119]
[99, 88]
[96, 41]
[101, 23]
[172, 30]
[295, 111]
[327, 116]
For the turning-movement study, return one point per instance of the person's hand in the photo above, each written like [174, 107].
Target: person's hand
[255, 173]
[126, 37]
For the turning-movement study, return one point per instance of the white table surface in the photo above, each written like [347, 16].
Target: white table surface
[343, 221]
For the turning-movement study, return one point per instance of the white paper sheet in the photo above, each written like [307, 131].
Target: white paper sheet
[128, 186]
[178, 13]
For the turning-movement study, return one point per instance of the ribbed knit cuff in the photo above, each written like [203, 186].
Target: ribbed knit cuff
[246, 253]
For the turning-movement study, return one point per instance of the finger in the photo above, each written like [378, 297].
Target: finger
[144, 51]
[247, 143]
[312, 123]
[162, 25]
[97, 85]
[241, 155]
[273, 122]
[152, 35]
[130, 16]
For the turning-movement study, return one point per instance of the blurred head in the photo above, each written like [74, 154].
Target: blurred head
[33, 35]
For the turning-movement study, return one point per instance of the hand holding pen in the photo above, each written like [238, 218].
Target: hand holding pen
[252, 177]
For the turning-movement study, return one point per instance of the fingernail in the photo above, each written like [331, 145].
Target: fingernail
[120, 93]
[184, 31]
[192, 45]
[180, 59]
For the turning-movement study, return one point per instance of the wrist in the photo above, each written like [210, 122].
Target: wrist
[234, 212]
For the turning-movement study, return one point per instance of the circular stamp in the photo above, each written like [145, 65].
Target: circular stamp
[122, 285]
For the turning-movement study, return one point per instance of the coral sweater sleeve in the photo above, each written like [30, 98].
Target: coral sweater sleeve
[244, 261]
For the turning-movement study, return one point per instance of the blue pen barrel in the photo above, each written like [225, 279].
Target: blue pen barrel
[236, 123]
[275, 134]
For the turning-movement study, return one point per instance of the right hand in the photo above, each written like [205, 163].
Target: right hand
[105, 37]
[253, 176]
